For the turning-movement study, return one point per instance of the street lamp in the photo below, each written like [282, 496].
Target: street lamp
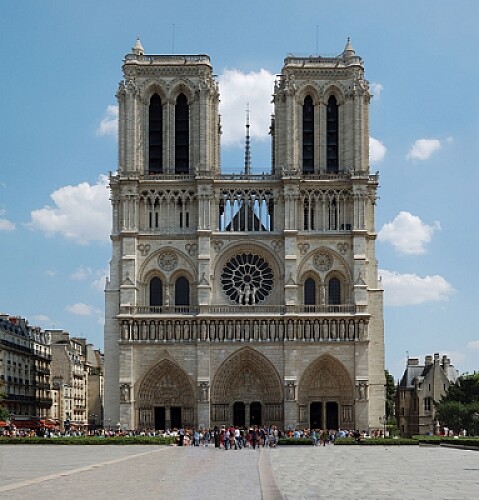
[383, 420]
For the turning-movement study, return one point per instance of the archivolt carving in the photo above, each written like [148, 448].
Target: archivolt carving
[165, 384]
[247, 376]
[325, 377]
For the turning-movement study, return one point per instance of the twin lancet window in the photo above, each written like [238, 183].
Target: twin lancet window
[182, 292]
[156, 136]
[310, 137]
[333, 292]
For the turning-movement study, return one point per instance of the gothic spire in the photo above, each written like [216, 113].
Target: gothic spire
[247, 149]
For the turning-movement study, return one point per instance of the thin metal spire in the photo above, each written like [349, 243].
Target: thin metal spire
[247, 149]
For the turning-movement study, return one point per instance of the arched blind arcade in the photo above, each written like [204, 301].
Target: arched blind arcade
[332, 139]
[308, 136]
[182, 135]
[155, 138]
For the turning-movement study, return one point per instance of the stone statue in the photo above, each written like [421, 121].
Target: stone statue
[362, 391]
[290, 391]
[204, 392]
[124, 393]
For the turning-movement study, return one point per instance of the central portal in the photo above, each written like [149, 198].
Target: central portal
[255, 413]
[316, 415]
[239, 414]
[175, 413]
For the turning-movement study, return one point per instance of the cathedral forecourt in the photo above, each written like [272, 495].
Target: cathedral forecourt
[243, 299]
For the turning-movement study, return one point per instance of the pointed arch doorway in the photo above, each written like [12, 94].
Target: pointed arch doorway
[246, 391]
[326, 389]
[166, 398]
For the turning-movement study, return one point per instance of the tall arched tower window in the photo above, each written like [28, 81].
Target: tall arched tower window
[309, 292]
[155, 137]
[182, 135]
[308, 136]
[334, 292]
[182, 292]
[332, 139]
[156, 292]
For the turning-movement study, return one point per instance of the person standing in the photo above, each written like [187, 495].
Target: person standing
[181, 433]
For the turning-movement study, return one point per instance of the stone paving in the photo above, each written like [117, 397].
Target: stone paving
[331, 472]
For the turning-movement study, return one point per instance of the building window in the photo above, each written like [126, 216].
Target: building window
[332, 136]
[247, 279]
[156, 292]
[182, 135]
[309, 292]
[308, 136]
[182, 292]
[427, 404]
[155, 159]
[334, 292]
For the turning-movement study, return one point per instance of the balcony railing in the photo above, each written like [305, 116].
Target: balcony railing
[341, 309]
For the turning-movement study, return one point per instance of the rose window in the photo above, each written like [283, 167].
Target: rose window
[247, 279]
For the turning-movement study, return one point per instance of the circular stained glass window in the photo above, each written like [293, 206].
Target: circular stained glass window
[247, 279]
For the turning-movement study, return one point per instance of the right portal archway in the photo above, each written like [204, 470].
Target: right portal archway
[326, 395]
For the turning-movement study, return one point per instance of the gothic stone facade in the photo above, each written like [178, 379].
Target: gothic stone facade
[243, 299]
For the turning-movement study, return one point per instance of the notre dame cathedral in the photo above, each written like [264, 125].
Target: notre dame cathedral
[243, 299]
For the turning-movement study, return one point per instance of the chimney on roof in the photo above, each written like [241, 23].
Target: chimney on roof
[413, 361]
[428, 360]
[445, 364]
[436, 358]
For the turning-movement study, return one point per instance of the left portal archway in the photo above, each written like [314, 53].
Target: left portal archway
[166, 398]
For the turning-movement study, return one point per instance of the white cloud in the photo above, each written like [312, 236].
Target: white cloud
[43, 318]
[237, 89]
[408, 234]
[50, 273]
[376, 89]
[410, 289]
[99, 282]
[377, 150]
[80, 213]
[474, 345]
[82, 309]
[109, 124]
[80, 274]
[422, 149]
[5, 224]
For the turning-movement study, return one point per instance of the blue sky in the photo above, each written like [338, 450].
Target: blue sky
[61, 67]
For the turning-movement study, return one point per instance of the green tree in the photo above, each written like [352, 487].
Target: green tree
[390, 395]
[4, 413]
[459, 408]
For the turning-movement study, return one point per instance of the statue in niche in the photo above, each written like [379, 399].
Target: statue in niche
[126, 331]
[124, 393]
[351, 330]
[362, 391]
[204, 386]
[290, 391]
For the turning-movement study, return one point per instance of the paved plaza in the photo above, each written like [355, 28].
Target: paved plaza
[169, 472]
